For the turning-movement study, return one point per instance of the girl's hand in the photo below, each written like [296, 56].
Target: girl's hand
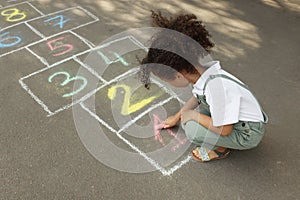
[171, 121]
[190, 115]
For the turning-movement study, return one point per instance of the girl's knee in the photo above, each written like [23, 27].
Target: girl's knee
[192, 131]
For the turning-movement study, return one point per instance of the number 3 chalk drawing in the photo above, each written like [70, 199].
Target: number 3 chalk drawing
[68, 80]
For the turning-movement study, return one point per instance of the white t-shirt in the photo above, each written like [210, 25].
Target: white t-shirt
[228, 101]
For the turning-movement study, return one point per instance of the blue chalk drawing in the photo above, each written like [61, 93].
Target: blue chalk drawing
[16, 41]
[61, 22]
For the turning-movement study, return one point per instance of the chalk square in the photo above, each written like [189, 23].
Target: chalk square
[59, 48]
[113, 58]
[16, 38]
[122, 101]
[68, 19]
[146, 134]
[16, 14]
[60, 87]
[166, 158]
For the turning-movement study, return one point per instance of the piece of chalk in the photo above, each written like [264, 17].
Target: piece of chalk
[160, 126]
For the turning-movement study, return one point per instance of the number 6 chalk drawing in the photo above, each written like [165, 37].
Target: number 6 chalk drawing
[107, 61]
[55, 46]
[61, 22]
[127, 108]
[13, 15]
[68, 80]
[6, 45]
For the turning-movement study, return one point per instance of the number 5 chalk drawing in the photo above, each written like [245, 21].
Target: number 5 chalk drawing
[13, 15]
[158, 125]
[107, 61]
[61, 22]
[127, 108]
[68, 80]
[61, 45]
[16, 41]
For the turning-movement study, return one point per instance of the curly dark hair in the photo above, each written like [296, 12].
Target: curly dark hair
[161, 58]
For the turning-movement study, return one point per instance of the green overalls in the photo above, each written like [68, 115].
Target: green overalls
[245, 135]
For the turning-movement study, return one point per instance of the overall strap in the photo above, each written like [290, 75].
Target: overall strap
[211, 77]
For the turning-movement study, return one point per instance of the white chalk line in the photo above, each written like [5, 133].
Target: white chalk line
[133, 147]
[97, 118]
[36, 9]
[16, 4]
[89, 69]
[40, 102]
[35, 30]
[89, 13]
[138, 43]
[178, 166]
[84, 40]
[43, 60]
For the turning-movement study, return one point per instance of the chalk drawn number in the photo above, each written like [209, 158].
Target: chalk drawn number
[127, 108]
[57, 44]
[14, 40]
[68, 80]
[61, 19]
[13, 15]
[108, 61]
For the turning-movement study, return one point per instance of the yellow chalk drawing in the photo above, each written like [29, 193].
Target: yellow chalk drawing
[126, 107]
[13, 15]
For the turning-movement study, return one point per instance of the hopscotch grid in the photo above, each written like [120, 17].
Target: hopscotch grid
[132, 146]
[16, 24]
[90, 45]
[82, 99]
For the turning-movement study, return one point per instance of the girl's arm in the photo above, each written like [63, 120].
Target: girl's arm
[205, 121]
[171, 121]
